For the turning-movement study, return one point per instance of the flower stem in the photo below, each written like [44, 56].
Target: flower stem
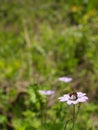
[73, 117]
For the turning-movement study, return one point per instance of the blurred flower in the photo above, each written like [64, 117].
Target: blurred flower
[74, 98]
[65, 79]
[46, 92]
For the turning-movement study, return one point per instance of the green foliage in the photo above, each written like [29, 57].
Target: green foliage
[39, 42]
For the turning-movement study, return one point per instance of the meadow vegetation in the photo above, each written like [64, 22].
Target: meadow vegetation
[41, 41]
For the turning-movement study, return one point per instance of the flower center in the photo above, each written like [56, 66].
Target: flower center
[73, 96]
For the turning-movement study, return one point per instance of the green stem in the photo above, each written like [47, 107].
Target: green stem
[65, 126]
[42, 117]
[73, 117]
[76, 114]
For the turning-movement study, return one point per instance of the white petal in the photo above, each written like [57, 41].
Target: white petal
[69, 102]
[75, 102]
[49, 92]
[63, 98]
[66, 96]
[80, 94]
[83, 99]
[46, 92]
[65, 79]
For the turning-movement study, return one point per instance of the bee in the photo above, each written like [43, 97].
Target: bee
[73, 96]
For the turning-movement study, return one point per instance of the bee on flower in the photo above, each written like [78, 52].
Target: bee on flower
[73, 98]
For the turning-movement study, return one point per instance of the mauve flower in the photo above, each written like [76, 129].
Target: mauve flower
[74, 98]
[65, 79]
[46, 92]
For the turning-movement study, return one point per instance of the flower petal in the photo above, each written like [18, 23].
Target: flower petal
[46, 92]
[75, 102]
[80, 94]
[69, 102]
[49, 92]
[64, 98]
[65, 79]
[83, 99]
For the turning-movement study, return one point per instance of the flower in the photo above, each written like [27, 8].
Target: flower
[65, 79]
[46, 92]
[74, 98]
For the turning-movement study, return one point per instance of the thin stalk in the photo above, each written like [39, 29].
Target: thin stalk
[42, 118]
[73, 117]
[76, 114]
[65, 126]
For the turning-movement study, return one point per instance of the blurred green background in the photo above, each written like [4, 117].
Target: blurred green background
[39, 42]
